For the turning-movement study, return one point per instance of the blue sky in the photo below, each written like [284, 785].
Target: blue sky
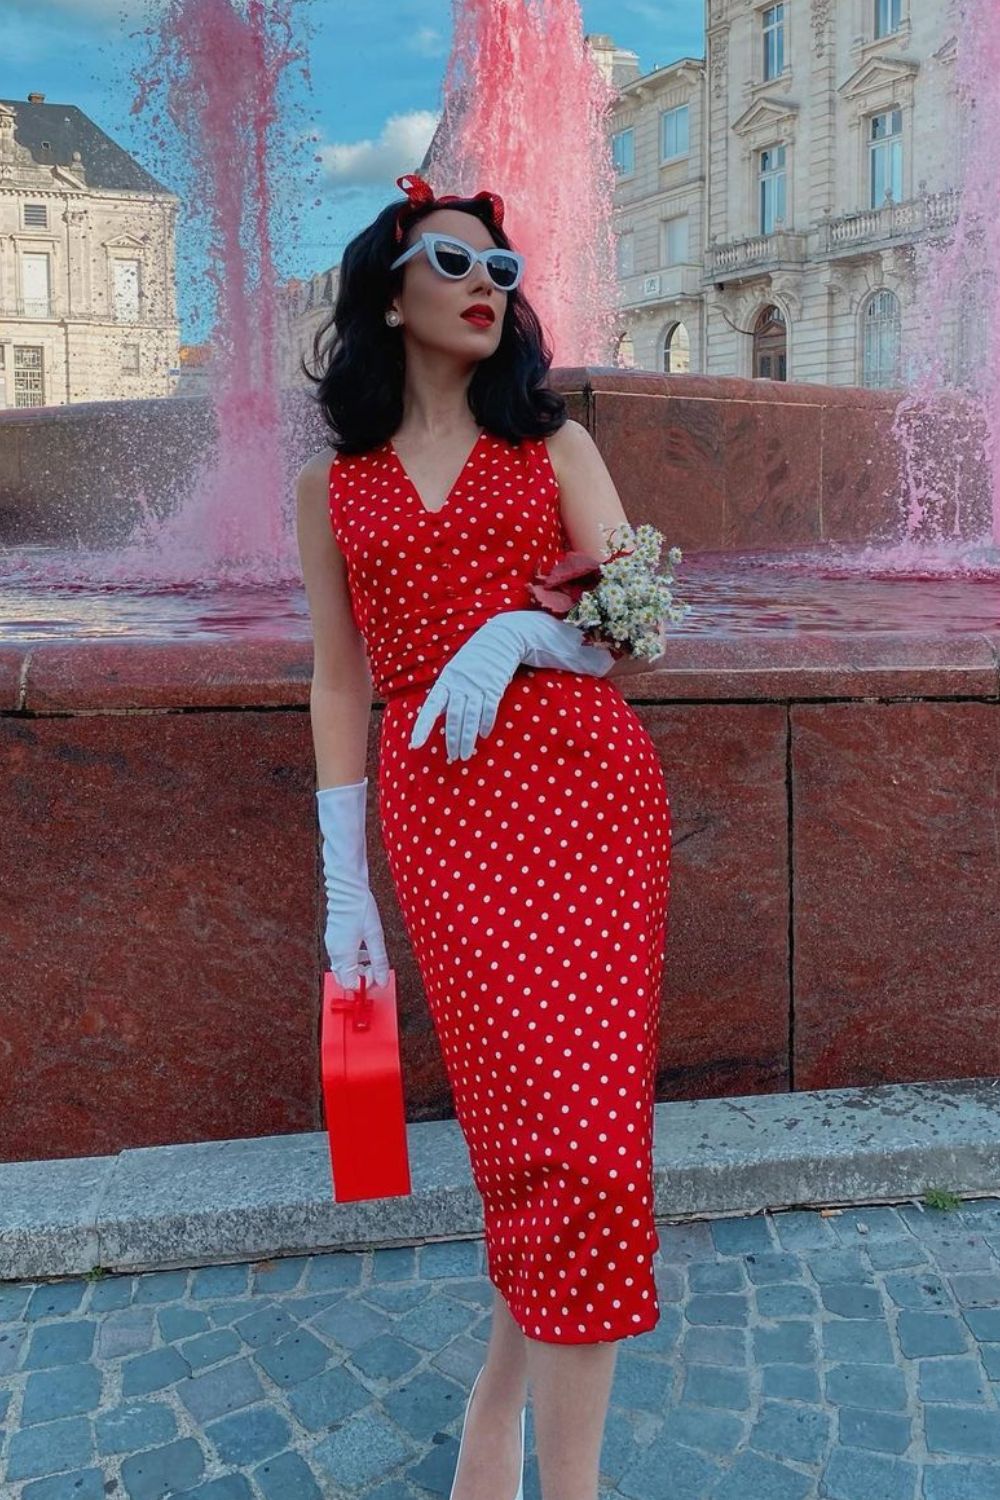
[376, 68]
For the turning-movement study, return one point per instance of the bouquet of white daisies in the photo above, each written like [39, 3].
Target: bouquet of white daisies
[623, 600]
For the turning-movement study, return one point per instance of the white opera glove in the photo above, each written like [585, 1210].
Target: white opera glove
[351, 914]
[470, 685]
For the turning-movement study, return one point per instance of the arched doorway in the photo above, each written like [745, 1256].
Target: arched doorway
[770, 345]
[882, 326]
[677, 350]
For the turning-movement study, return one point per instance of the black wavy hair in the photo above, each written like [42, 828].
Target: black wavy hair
[360, 360]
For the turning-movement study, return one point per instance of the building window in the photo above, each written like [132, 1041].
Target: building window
[772, 188]
[677, 350]
[36, 216]
[625, 353]
[35, 285]
[626, 253]
[885, 157]
[623, 151]
[881, 340]
[675, 241]
[675, 132]
[130, 359]
[28, 390]
[125, 290]
[773, 26]
[888, 16]
[770, 345]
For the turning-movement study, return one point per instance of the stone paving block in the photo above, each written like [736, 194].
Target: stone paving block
[287, 1477]
[111, 1292]
[984, 1323]
[436, 1322]
[715, 1346]
[640, 1384]
[872, 1387]
[722, 1309]
[800, 1433]
[850, 1299]
[176, 1322]
[891, 1255]
[389, 1297]
[801, 1230]
[854, 1225]
[134, 1424]
[990, 1355]
[853, 1474]
[282, 1275]
[969, 1252]
[127, 1331]
[219, 1281]
[55, 1299]
[385, 1358]
[154, 1371]
[293, 1359]
[667, 1468]
[14, 1298]
[882, 1431]
[265, 1325]
[328, 1398]
[716, 1276]
[361, 1450]
[425, 1405]
[961, 1482]
[790, 1383]
[785, 1300]
[742, 1236]
[49, 1448]
[160, 1472]
[160, 1286]
[207, 1349]
[753, 1475]
[715, 1432]
[857, 1341]
[350, 1323]
[788, 1343]
[69, 1391]
[684, 1242]
[81, 1484]
[842, 1264]
[713, 1385]
[923, 1290]
[921, 1334]
[776, 1265]
[394, 1263]
[67, 1343]
[976, 1288]
[449, 1258]
[338, 1271]
[223, 1389]
[227, 1487]
[958, 1380]
[248, 1436]
[962, 1430]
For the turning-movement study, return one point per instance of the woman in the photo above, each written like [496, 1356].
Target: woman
[521, 800]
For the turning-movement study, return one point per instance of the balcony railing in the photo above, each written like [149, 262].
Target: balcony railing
[760, 252]
[894, 221]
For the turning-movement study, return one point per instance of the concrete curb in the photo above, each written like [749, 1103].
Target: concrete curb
[220, 1201]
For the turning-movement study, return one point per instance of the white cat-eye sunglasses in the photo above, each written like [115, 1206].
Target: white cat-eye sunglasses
[454, 259]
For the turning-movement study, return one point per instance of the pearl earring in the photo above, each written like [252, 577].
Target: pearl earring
[392, 318]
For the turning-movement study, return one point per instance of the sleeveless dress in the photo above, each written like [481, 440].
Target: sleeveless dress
[533, 881]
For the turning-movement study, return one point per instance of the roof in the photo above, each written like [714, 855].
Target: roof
[68, 129]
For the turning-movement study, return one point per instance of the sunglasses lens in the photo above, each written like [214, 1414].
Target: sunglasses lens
[453, 259]
[503, 269]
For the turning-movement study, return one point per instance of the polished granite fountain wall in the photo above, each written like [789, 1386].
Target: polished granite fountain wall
[834, 916]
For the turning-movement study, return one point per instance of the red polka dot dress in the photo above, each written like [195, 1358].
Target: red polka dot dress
[533, 880]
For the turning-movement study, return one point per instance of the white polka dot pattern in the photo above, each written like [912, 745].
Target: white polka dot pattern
[533, 880]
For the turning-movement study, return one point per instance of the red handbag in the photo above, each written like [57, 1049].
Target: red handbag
[363, 1090]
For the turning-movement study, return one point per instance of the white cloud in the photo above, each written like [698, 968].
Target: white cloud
[428, 42]
[399, 148]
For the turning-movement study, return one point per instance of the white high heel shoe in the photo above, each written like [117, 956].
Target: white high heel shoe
[461, 1445]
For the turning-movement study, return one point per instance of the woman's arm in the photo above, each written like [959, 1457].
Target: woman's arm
[588, 500]
[340, 698]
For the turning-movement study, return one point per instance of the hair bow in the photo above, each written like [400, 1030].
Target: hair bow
[418, 192]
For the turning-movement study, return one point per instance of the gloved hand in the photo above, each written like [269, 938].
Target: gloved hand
[351, 914]
[470, 685]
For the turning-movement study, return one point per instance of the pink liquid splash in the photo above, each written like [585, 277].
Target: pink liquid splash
[525, 114]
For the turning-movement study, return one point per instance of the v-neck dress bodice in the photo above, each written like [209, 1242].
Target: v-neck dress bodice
[533, 882]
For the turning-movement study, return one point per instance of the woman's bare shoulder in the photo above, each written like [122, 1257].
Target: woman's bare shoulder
[315, 472]
[566, 442]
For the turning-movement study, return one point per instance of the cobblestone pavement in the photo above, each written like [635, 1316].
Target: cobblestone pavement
[853, 1356]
